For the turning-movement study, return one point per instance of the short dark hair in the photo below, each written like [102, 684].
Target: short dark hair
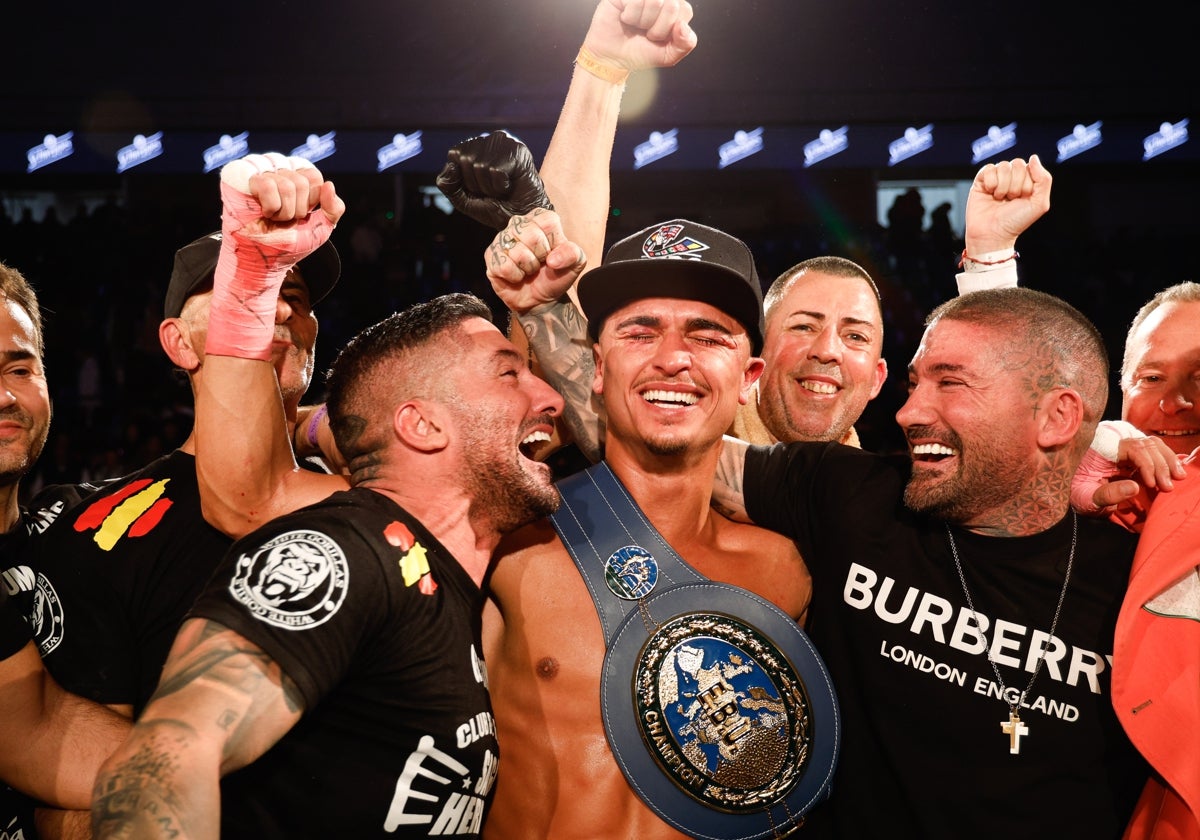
[835, 266]
[366, 367]
[1042, 324]
[16, 288]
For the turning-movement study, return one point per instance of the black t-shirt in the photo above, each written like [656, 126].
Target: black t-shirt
[116, 575]
[16, 810]
[924, 754]
[379, 627]
[17, 577]
[14, 632]
[17, 583]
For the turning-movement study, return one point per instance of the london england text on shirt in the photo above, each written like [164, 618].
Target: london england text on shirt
[928, 617]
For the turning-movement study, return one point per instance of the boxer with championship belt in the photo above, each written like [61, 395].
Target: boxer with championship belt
[647, 667]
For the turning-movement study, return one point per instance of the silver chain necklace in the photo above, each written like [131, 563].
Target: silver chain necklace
[1013, 727]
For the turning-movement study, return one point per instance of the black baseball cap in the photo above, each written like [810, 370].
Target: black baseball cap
[195, 262]
[677, 259]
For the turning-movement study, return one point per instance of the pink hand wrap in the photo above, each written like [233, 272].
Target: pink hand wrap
[1099, 464]
[1094, 471]
[256, 255]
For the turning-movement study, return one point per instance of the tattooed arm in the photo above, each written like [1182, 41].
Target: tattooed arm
[623, 36]
[557, 336]
[221, 703]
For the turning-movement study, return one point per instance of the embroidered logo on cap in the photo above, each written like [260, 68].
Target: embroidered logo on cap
[669, 241]
[631, 572]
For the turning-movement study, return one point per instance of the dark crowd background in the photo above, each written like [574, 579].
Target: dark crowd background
[1113, 237]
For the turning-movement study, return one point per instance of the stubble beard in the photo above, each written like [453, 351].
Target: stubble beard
[18, 456]
[788, 423]
[979, 484]
[509, 496]
[504, 491]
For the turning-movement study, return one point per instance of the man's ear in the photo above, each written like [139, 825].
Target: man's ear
[175, 336]
[422, 426]
[753, 372]
[598, 367]
[880, 378]
[1059, 418]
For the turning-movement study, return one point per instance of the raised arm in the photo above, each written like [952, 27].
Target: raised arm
[221, 703]
[531, 265]
[624, 36]
[276, 211]
[1005, 199]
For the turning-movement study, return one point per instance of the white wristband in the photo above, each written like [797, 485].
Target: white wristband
[1109, 435]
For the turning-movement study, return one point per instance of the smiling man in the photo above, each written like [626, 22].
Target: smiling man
[823, 351]
[675, 314]
[53, 741]
[1155, 681]
[965, 612]
[334, 660]
[108, 572]
[1160, 376]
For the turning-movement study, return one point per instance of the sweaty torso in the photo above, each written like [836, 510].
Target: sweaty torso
[544, 651]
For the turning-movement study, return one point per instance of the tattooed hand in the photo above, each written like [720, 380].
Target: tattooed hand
[531, 262]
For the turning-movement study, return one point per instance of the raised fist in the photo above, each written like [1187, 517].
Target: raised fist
[492, 178]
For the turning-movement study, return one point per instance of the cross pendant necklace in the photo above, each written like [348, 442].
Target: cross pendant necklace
[1013, 727]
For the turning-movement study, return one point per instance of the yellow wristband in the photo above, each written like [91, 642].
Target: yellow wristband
[607, 72]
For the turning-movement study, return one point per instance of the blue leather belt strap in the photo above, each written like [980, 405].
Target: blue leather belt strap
[598, 517]
[699, 677]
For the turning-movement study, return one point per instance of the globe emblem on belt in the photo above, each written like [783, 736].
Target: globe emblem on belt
[723, 712]
[631, 572]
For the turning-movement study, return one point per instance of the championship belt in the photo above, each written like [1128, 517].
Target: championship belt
[717, 708]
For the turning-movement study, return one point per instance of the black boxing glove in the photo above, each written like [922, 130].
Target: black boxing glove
[492, 178]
